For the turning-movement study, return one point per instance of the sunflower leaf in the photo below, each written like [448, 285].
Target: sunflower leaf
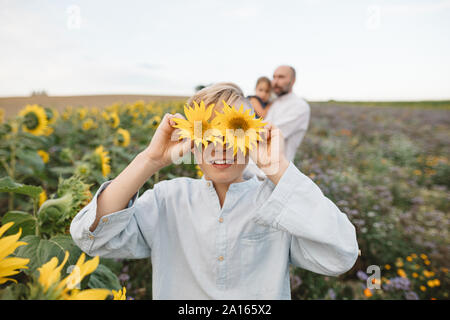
[40, 251]
[32, 158]
[9, 185]
[22, 220]
[103, 277]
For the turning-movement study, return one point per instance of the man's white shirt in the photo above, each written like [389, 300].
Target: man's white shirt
[291, 114]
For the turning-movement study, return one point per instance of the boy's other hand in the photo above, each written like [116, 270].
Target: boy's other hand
[269, 155]
[165, 146]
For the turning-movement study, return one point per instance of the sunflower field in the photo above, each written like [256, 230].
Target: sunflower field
[387, 168]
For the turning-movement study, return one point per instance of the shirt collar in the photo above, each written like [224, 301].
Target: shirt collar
[234, 186]
[286, 96]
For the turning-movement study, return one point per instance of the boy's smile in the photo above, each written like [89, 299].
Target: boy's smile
[219, 164]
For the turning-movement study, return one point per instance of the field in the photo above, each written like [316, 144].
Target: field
[11, 105]
[385, 165]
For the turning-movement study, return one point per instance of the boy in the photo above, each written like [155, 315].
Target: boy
[218, 237]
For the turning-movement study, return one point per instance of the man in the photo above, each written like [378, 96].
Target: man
[289, 112]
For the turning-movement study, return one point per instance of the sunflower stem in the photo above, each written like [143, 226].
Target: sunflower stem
[36, 227]
[12, 170]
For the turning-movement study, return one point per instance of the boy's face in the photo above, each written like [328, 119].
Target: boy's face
[219, 165]
[263, 91]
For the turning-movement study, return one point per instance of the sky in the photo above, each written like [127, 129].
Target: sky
[341, 50]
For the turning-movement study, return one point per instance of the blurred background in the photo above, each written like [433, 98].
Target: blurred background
[83, 86]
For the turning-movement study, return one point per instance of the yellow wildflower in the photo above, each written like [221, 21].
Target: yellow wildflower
[367, 292]
[401, 273]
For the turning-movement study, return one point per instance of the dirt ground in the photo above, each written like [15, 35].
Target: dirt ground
[12, 105]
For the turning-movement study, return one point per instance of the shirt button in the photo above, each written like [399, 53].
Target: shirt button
[220, 219]
[91, 237]
[105, 219]
[208, 184]
[221, 258]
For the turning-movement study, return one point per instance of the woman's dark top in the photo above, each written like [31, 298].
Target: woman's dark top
[263, 104]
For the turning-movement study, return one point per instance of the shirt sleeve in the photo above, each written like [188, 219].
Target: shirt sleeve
[323, 239]
[122, 234]
[252, 169]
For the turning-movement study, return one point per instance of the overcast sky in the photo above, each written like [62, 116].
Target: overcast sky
[355, 50]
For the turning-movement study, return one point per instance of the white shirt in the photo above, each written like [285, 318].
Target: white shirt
[240, 251]
[291, 114]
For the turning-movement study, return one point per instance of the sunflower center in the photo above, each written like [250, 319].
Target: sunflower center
[238, 123]
[31, 121]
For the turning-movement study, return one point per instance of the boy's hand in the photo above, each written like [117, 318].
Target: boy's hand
[269, 154]
[165, 147]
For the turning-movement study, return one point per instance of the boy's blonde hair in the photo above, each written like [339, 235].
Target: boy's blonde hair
[217, 92]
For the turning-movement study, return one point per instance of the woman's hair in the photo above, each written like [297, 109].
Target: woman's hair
[217, 92]
[264, 79]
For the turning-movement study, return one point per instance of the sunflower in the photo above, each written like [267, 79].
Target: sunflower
[104, 160]
[105, 115]
[67, 113]
[48, 131]
[240, 129]
[52, 115]
[199, 171]
[122, 138]
[119, 295]
[35, 120]
[197, 126]
[50, 272]
[80, 270]
[113, 120]
[44, 155]
[88, 124]
[10, 266]
[82, 113]
[94, 111]
[42, 198]
[66, 289]
[154, 122]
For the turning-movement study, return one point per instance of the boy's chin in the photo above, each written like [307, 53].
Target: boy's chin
[225, 175]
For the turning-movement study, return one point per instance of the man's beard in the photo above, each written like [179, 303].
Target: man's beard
[282, 93]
